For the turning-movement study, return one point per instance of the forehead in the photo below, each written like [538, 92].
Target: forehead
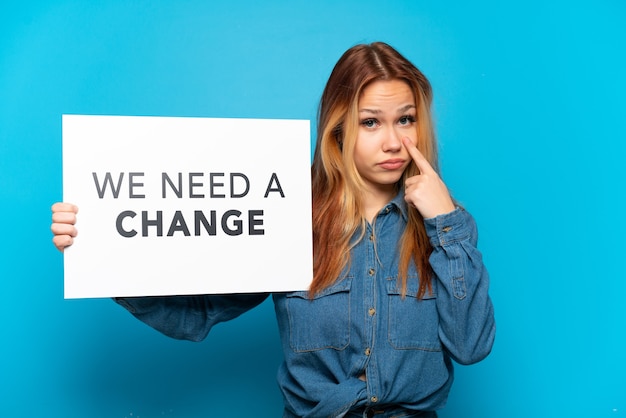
[385, 94]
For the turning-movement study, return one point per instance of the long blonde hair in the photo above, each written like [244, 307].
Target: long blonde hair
[336, 183]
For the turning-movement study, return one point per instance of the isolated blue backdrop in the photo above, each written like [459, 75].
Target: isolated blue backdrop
[531, 118]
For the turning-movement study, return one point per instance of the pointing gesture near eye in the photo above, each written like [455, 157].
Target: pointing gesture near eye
[426, 191]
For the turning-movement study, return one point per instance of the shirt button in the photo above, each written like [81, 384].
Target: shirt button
[371, 272]
[371, 311]
[446, 229]
[372, 237]
[368, 351]
[374, 399]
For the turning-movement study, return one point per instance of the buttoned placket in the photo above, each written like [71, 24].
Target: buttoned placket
[371, 290]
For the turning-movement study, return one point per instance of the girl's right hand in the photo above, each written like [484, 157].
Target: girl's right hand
[63, 221]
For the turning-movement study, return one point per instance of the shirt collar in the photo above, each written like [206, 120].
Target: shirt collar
[400, 204]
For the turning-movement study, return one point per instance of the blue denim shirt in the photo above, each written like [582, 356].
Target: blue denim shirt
[362, 325]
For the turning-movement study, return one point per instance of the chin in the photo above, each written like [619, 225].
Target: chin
[388, 180]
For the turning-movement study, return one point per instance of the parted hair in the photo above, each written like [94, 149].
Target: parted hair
[336, 184]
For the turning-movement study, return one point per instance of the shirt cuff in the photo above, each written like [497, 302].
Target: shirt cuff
[448, 228]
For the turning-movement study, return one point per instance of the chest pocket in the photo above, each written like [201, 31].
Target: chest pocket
[413, 323]
[322, 322]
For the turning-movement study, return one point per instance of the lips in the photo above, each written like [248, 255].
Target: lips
[392, 164]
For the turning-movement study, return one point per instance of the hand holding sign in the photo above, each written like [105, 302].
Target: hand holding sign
[426, 191]
[63, 221]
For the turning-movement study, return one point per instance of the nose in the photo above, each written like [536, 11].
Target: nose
[392, 141]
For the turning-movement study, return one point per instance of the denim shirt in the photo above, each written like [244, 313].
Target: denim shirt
[362, 325]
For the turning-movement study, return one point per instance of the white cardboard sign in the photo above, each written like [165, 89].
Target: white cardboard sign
[179, 206]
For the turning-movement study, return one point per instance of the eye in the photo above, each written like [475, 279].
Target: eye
[406, 120]
[369, 123]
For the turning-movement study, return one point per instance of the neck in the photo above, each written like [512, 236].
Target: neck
[375, 200]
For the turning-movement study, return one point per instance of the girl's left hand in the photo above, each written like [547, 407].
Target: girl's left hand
[426, 191]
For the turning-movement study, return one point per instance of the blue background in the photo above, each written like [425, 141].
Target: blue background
[530, 109]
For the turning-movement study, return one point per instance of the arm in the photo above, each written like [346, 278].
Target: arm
[466, 320]
[189, 317]
[181, 317]
[466, 317]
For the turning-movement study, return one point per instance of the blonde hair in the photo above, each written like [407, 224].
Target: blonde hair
[336, 183]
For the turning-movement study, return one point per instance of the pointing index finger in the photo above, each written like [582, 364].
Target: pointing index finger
[421, 161]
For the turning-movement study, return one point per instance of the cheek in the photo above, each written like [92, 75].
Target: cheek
[412, 136]
[363, 160]
[360, 147]
[363, 152]
[358, 156]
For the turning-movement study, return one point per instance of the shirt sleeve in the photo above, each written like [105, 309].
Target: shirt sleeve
[466, 315]
[189, 317]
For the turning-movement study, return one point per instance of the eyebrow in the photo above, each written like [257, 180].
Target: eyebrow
[378, 111]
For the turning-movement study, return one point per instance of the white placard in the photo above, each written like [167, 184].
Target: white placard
[179, 206]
